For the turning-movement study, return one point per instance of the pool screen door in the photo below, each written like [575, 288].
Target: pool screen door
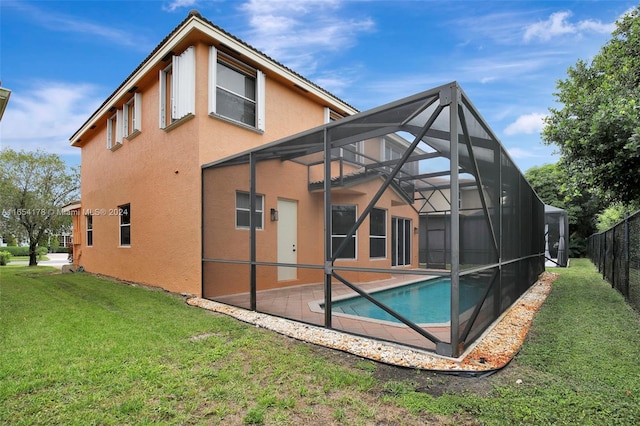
[400, 241]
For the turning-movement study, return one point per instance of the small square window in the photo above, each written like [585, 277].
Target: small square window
[243, 210]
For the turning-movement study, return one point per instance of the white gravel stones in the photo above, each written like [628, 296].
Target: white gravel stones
[493, 350]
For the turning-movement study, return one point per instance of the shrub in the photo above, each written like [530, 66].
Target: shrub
[5, 257]
[24, 250]
[17, 250]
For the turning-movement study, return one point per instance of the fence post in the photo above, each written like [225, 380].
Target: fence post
[627, 255]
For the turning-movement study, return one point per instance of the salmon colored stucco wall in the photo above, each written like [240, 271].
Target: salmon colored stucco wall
[284, 180]
[158, 173]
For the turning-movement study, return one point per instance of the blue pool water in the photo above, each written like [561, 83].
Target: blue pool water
[422, 302]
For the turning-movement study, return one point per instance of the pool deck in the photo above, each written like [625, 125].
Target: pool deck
[302, 303]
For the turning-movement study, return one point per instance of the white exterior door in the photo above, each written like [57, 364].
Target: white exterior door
[287, 239]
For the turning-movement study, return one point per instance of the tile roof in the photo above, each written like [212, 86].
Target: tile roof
[196, 14]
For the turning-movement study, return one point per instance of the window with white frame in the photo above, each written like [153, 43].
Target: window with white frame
[177, 88]
[125, 224]
[343, 217]
[395, 151]
[236, 90]
[400, 241]
[89, 226]
[331, 115]
[378, 234]
[132, 113]
[243, 210]
[114, 130]
[349, 152]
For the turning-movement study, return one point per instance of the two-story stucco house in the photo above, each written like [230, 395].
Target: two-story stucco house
[200, 96]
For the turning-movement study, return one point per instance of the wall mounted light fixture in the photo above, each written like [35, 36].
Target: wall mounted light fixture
[274, 215]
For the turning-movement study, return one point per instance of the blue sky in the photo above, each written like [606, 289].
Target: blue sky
[62, 59]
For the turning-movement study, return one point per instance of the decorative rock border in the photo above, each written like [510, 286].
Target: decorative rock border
[492, 351]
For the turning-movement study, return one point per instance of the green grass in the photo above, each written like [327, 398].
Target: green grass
[26, 258]
[77, 349]
[580, 364]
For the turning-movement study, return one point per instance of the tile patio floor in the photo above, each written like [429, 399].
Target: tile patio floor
[301, 303]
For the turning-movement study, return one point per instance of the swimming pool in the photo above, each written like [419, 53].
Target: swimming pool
[421, 302]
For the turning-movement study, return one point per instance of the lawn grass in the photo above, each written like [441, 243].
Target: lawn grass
[26, 258]
[580, 364]
[78, 349]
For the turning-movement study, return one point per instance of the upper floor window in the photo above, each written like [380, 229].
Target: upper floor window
[132, 113]
[114, 130]
[393, 151]
[177, 88]
[331, 115]
[236, 90]
[243, 210]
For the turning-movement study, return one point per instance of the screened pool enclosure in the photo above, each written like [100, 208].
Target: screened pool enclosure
[353, 225]
[556, 236]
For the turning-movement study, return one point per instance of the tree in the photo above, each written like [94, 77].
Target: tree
[598, 127]
[554, 187]
[34, 186]
[612, 215]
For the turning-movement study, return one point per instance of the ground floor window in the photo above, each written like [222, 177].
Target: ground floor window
[89, 219]
[342, 220]
[400, 241]
[125, 224]
[243, 210]
[377, 234]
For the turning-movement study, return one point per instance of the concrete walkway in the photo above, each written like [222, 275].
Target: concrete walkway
[55, 259]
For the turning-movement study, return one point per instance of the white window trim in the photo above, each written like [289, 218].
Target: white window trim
[330, 115]
[411, 237]
[89, 229]
[379, 237]
[136, 103]
[122, 225]
[115, 141]
[260, 92]
[355, 235]
[183, 80]
[260, 210]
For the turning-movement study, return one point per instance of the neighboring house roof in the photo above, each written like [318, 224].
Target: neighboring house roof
[4, 100]
[72, 206]
[194, 21]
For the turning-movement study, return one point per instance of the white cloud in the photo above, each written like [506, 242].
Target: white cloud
[519, 153]
[66, 23]
[558, 24]
[46, 116]
[529, 123]
[177, 4]
[297, 32]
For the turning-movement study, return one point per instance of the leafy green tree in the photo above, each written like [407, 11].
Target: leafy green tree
[613, 215]
[554, 187]
[598, 127]
[34, 186]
